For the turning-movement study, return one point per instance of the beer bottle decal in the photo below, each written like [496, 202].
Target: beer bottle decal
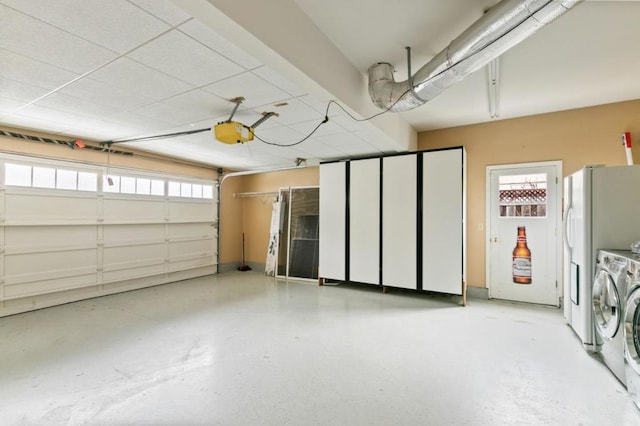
[522, 259]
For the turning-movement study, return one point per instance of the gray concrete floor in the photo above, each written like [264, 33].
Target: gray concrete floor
[244, 349]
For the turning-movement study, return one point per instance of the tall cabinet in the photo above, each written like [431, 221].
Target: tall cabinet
[395, 221]
[399, 221]
[364, 221]
[332, 259]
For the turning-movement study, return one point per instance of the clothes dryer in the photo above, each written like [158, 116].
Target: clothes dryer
[632, 330]
[609, 290]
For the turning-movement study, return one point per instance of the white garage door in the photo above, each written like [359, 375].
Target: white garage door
[70, 231]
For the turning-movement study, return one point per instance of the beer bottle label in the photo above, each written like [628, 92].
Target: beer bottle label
[522, 267]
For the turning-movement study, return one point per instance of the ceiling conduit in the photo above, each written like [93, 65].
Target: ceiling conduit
[499, 29]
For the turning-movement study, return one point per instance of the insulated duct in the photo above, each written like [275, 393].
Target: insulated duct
[502, 27]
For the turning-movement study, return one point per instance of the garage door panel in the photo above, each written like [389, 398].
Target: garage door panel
[186, 248]
[48, 208]
[130, 254]
[191, 262]
[24, 237]
[194, 211]
[134, 209]
[132, 233]
[133, 270]
[48, 285]
[49, 262]
[191, 230]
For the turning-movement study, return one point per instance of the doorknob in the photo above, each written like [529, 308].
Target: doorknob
[494, 240]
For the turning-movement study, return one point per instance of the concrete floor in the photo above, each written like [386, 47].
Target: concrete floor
[244, 349]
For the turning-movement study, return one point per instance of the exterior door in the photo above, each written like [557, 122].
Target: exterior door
[523, 226]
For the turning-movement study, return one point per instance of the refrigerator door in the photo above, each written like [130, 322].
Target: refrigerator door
[577, 238]
[567, 244]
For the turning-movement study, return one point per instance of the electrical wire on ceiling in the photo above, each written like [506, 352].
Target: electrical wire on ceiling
[399, 98]
[192, 132]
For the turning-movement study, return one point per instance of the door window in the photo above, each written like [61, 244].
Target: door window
[523, 195]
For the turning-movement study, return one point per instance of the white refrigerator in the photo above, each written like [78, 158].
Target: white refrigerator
[601, 211]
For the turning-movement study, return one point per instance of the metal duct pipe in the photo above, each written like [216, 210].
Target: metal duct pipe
[502, 27]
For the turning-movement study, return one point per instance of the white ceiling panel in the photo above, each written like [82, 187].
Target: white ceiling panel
[64, 118]
[105, 94]
[257, 148]
[34, 73]
[170, 114]
[80, 106]
[358, 150]
[141, 125]
[268, 74]
[98, 131]
[34, 123]
[199, 102]
[285, 155]
[52, 45]
[139, 79]
[20, 91]
[326, 129]
[182, 57]
[296, 112]
[352, 146]
[165, 149]
[120, 26]
[314, 148]
[9, 104]
[347, 123]
[340, 140]
[255, 90]
[163, 9]
[85, 127]
[215, 41]
[321, 106]
[373, 138]
[279, 135]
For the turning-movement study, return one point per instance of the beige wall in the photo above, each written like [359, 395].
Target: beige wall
[253, 214]
[577, 137]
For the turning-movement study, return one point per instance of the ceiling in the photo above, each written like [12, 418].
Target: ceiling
[119, 69]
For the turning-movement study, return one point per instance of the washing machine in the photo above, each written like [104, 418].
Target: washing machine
[632, 330]
[609, 291]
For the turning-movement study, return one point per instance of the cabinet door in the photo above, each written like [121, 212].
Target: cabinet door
[364, 221]
[399, 221]
[333, 196]
[442, 221]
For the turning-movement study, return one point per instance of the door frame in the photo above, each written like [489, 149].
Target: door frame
[286, 275]
[558, 232]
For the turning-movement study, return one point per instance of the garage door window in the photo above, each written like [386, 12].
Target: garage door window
[48, 177]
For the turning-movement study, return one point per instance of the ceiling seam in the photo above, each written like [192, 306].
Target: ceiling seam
[88, 73]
